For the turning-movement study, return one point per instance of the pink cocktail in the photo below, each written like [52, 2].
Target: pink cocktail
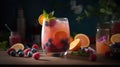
[55, 35]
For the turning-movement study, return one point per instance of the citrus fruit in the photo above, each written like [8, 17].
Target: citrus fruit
[84, 39]
[75, 45]
[115, 38]
[18, 46]
[41, 19]
[59, 35]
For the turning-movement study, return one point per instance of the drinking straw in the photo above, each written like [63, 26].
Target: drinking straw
[8, 27]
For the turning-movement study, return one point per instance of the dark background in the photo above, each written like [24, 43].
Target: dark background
[33, 8]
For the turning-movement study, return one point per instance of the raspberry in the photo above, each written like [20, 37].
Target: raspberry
[92, 57]
[26, 51]
[36, 55]
[35, 46]
[52, 22]
[9, 50]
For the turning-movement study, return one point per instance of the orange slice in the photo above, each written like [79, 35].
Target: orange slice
[41, 19]
[18, 46]
[75, 45]
[115, 38]
[59, 35]
[84, 39]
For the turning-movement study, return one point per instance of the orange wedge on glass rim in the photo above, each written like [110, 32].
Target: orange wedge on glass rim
[75, 45]
[115, 38]
[84, 39]
[41, 19]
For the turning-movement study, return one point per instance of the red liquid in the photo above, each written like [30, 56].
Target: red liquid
[55, 37]
[14, 38]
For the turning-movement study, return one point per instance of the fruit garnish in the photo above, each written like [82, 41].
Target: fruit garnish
[59, 35]
[115, 38]
[41, 18]
[75, 45]
[84, 39]
[18, 46]
[45, 17]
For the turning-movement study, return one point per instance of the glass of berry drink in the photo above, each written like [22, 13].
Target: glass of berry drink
[55, 36]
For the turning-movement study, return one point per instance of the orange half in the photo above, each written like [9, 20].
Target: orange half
[75, 45]
[84, 39]
[17, 46]
[115, 38]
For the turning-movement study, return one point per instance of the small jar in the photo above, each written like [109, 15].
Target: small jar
[115, 26]
[14, 38]
[102, 39]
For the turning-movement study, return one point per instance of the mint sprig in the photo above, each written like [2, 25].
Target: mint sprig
[49, 16]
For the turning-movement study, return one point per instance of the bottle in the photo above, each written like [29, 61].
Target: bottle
[14, 38]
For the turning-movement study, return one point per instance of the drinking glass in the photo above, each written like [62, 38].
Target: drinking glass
[55, 36]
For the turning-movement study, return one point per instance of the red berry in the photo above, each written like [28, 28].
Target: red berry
[35, 46]
[26, 51]
[92, 57]
[9, 50]
[52, 22]
[36, 55]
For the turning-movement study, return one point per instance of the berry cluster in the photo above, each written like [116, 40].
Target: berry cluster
[61, 46]
[28, 52]
[86, 52]
[114, 51]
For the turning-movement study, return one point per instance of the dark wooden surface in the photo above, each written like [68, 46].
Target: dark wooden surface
[5, 59]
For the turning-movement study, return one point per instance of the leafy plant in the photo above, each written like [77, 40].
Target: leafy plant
[102, 9]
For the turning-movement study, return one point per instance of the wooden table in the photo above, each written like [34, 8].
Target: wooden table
[5, 59]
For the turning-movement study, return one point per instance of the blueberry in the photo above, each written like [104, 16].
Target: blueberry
[21, 54]
[12, 53]
[46, 24]
[30, 54]
[34, 50]
[50, 40]
[48, 44]
[19, 50]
